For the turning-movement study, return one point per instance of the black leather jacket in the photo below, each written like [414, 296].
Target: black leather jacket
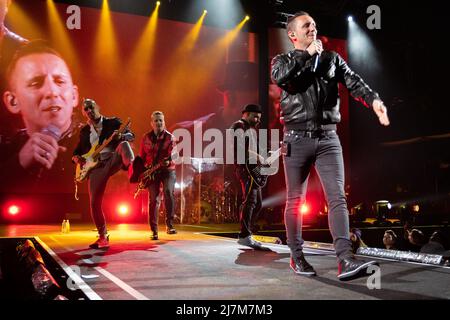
[309, 99]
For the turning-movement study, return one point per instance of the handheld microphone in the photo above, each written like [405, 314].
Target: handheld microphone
[315, 63]
[54, 132]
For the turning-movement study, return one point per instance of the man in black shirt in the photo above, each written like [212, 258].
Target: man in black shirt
[245, 130]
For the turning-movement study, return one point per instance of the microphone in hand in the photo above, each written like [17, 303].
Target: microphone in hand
[315, 61]
[52, 131]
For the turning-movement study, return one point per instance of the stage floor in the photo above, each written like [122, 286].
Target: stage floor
[195, 266]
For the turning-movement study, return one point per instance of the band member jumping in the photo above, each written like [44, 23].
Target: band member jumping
[251, 191]
[103, 150]
[157, 148]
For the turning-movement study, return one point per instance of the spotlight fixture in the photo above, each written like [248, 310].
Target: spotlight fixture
[205, 11]
[350, 19]
[304, 209]
[247, 17]
[13, 210]
[123, 209]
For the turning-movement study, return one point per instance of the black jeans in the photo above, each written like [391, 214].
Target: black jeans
[324, 152]
[251, 202]
[167, 178]
[98, 178]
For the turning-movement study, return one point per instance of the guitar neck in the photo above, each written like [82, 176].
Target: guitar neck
[274, 156]
[102, 146]
[111, 137]
[152, 170]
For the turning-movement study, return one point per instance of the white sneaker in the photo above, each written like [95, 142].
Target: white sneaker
[249, 242]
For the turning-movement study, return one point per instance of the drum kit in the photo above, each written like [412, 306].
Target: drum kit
[206, 191]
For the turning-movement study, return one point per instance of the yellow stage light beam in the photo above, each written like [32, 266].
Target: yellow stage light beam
[60, 36]
[143, 53]
[200, 73]
[18, 20]
[231, 35]
[216, 53]
[106, 50]
[182, 60]
[189, 41]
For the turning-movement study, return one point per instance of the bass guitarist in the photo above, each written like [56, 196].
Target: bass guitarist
[251, 191]
[157, 149]
[116, 155]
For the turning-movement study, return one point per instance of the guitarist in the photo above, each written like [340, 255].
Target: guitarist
[158, 146]
[115, 156]
[251, 192]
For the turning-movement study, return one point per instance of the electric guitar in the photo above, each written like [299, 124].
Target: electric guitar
[91, 157]
[148, 175]
[261, 171]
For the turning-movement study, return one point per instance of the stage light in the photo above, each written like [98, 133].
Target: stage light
[205, 11]
[247, 18]
[158, 3]
[179, 185]
[106, 53]
[361, 50]
[435, 259]
[17, 18]
[304, 209]
[350, 19]
[60, 35]
[13, 210]
[123, 209]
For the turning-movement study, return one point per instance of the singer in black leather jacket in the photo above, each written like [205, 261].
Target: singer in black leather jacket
[310, 99]
[309, 77]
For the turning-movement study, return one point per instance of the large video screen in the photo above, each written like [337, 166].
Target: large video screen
[131, 65]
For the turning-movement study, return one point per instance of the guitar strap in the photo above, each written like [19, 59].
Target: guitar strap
[249, 189]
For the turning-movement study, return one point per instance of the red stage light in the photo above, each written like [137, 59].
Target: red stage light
[123, 209]
[304, 209]
[13, 210]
